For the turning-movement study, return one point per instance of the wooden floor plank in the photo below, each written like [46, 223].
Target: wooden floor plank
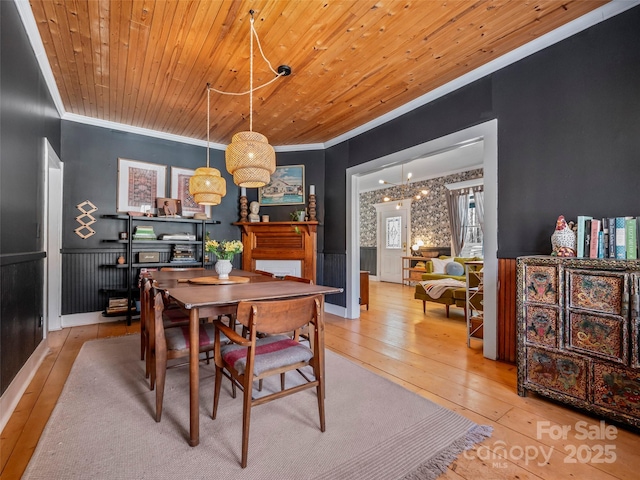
[424, 352]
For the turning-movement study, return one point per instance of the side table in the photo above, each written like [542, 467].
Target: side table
[364, 288]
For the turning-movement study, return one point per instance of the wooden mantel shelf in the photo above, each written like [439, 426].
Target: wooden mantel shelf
[306, 227]
[280, 241]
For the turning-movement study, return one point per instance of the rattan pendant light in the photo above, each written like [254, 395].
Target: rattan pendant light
[249, 157]
[207, 186]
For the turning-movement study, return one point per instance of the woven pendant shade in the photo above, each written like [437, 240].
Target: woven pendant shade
[250, 159]
[207, 186]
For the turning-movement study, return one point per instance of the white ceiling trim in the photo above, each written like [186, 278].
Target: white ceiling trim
[594, 17]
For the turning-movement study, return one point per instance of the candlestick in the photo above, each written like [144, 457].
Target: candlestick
[312, 207]
[243, 207]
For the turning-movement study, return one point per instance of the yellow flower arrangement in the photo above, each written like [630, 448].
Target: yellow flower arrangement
[224, 250]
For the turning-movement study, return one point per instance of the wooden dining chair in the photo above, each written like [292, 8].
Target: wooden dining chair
[262, 272]
[172, 317]
[247, 359]
[169, 343]
[293, 278]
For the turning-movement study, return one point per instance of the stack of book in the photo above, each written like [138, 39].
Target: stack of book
[144, 233]
[612, 237]
[182, 254]
[178, 236]
[117, 305]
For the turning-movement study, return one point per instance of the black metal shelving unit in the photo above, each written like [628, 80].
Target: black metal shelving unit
[135, 246]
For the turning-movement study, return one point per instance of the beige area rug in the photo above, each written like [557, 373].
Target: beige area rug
[103, 427]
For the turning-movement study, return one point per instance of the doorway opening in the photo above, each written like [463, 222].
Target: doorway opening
[487, 133]
[52, 238]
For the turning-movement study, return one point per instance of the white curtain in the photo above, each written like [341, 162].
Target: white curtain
[458, 206]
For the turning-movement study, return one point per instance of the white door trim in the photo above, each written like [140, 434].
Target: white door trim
[54, 171]
[488, 133]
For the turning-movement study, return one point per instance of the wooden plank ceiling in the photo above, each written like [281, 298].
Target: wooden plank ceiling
[146, 63]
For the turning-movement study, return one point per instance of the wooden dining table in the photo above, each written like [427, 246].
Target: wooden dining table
[203, 300]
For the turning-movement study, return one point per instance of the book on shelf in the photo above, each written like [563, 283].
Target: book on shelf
[594, 238]
[601, 244]
[581, 233]
[621, 238]
[605, 239]
[587, 238]
[631, 238]
[144, 232]
[612, 237]
[115, 302]
[608, 237]
[178, 236]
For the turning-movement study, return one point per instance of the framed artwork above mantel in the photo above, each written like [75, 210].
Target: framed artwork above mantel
[286, 187]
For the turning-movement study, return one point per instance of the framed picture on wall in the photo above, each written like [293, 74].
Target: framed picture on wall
[180, 190]
[139, 184]
[286, 187]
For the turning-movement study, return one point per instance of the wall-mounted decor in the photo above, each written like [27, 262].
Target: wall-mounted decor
[169, 207]
[180, 190]
[85, 231]
[286, 187]
[139, 184]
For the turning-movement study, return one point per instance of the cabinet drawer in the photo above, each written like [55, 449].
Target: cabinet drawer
[541, 284]
[596, 291]
[616, 388]
[542, 325]
[557, 372]
[604, 336]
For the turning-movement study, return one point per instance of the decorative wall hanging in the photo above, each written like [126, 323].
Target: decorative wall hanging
[139, 184]
[286, 187]
[85, 220]
[180, 178]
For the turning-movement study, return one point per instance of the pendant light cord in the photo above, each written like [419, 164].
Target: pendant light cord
[251, 78]
[251, 89]
[208, 114]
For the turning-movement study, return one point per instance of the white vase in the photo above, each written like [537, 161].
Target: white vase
[223, 268]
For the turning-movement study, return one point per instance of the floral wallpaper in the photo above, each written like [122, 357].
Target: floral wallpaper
[429, 217]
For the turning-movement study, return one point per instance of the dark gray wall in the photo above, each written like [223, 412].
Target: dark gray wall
[27, 116]
[568, 123]
[568, 135]
[91, 157]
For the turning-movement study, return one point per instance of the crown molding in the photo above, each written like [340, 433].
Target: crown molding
[594, 17]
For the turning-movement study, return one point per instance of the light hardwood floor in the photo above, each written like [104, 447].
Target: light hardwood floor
[427, 354]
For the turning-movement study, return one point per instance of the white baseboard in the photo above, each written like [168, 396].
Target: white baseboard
[335, 310]
[19, 384]
[89, 318]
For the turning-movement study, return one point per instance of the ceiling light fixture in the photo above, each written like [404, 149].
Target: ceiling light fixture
[206, 186]
[404, 189]
[249, 157]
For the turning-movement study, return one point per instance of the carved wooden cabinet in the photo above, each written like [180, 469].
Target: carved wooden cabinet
[578, 333]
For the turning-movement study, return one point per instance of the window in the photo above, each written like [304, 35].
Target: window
[393, 232]
[473, 236]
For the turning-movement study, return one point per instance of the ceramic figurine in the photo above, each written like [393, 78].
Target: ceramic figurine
[563, 239]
